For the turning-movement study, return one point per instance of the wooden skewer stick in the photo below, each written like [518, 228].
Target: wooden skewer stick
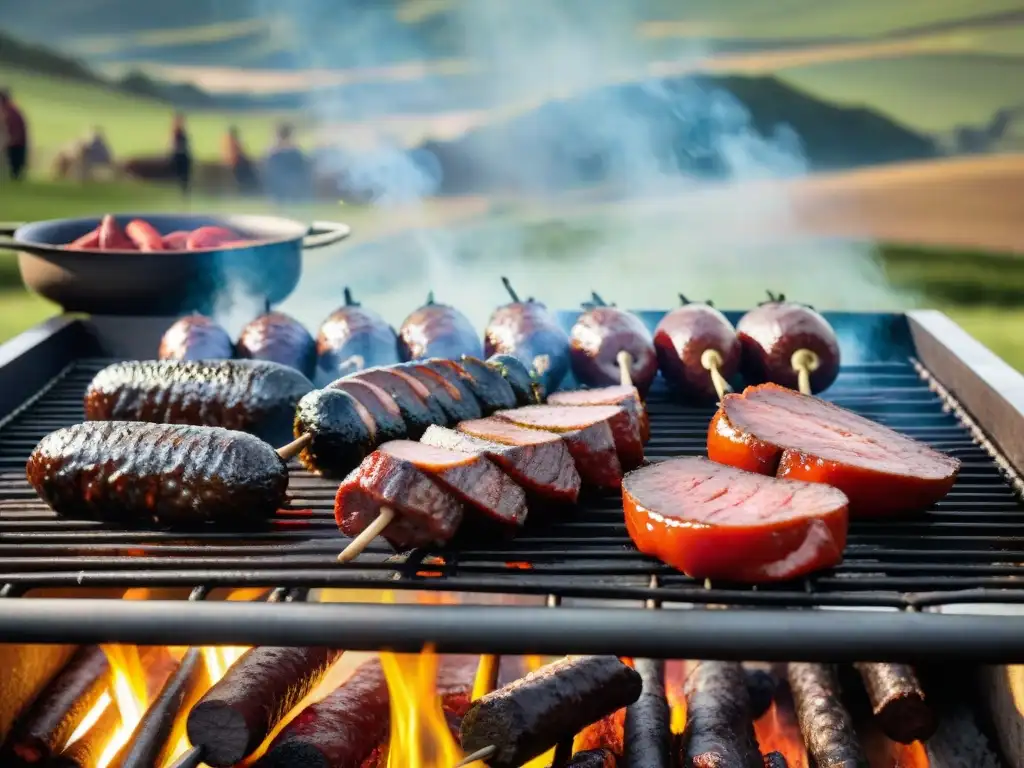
[712, 361]
[360, 542]
[805, 362]
[480, 754]
[625, 361]
[486, 679]
[294, 448]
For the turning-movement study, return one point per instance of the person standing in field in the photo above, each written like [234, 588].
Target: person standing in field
[181, 154]
[238, 161]
[287, 174]
[15, 135]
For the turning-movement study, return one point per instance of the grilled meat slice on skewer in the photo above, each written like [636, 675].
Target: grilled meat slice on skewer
[488, 385]
[698, 351]
[530, 716]
[719, 727]
[598, 340]
[585, 429]
[239, 711]
[61, 707]
[168, 474]
[775, 431]
[527, 331]
[438, 330]
[528, 388]
[898, 702]
[456, 404]
[539, 461]
[418, 409]
[196, 337]
[342, 432]
[352, 338]
[825, 724]
[341, 730]
[281, 339]
[625, 397]
[387, 416]
[252, 396]
[457, 376]
[712, 521]
[780, 337]
[423, 512]
[647, 740]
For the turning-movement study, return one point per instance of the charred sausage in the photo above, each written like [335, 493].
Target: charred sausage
[168, 474]
[343, 432]
[529, 389]
[254, 396]
[826, 726]
[196, 337]
[418, 409]
[715, 522]
[488, 385]
[240, 710]
[592, 758]
[761, 687]
[457, 404]
[719, 727]
[898, 702]
[438, 330]
[773, 430]
[774, 331]
[647, 740]
[530, 716]
[144, 235]
[352, 338]
[529, 332]
[112, 237]
[387, 416]
[681, 340]
[597, 338]
[281, 339]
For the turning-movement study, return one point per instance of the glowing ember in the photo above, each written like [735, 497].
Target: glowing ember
[778, 731]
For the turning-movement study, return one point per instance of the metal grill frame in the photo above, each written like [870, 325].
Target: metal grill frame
[980, 389]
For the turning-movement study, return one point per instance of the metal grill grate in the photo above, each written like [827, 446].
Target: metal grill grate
[968, 548]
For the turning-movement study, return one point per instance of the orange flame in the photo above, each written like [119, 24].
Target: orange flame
[128, 690]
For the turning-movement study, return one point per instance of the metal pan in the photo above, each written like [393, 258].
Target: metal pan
[165, 282]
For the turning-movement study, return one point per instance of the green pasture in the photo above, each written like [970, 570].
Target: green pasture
[983, 292]
[62, 111]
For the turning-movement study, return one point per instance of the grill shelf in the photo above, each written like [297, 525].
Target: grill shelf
[967, 549]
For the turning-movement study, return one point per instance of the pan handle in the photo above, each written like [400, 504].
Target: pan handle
[8, 243]
[324, 233]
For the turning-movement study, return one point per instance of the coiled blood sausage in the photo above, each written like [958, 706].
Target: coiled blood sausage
[168, 474]
[715, 522]
[527, 331]
[773, 430]
[438, 330]
[196, 337]
[600, 334]
[352, 338]
[682, 340]
[773, 332]
[281, 339]
[252, 396]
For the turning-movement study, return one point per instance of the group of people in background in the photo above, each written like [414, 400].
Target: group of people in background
[284, 175]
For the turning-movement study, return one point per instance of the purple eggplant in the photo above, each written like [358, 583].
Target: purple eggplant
[353, 338]
[196, 337]
[438, 330]
[279, 338]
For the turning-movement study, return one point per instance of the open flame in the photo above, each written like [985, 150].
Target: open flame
[129, 694]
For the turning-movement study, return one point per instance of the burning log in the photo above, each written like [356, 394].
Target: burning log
[646, 733]
[590, 758]
[898, 702]
[761, 687]
[527, 718]
[61, 707]
[825, 725]
[775, 760]
[242, 708]
[607, 733]
[87, 751]
[339, 731]
[149, 743]
[719, 728]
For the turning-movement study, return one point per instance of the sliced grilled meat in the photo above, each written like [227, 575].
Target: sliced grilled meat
[252, 396]
[488, 385]
[387, 416]
[343, 432]
[196, 337]
[530, 716]
[775, 431]
[458, 404]
[538, 461]
[425, 513]
[168, 474]
[528, 389]
[719, 728]
[715, 522]
[627, 398]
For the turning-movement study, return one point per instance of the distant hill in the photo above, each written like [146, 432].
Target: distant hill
[714, 127]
